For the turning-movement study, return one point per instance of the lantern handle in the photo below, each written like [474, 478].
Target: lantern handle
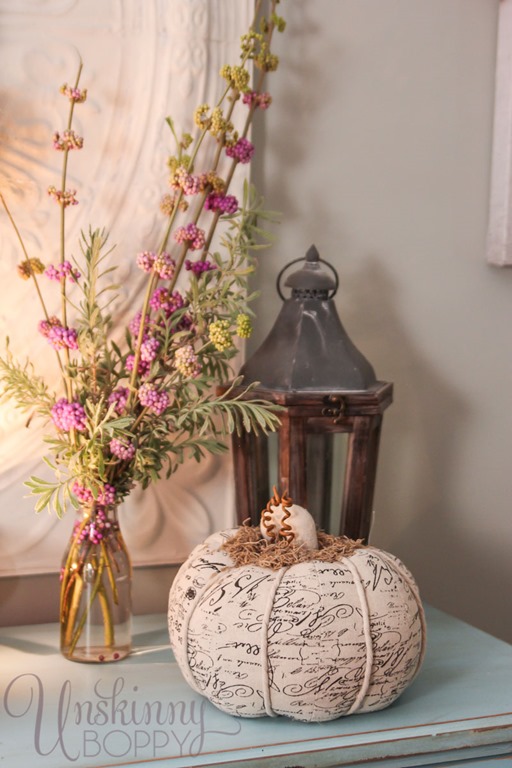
[330, 294]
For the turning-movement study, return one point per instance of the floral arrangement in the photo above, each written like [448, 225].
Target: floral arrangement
[131, 410]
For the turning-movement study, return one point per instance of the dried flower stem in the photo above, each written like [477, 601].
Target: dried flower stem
[153, 281]
[31, 270]
[25, 253]
[245, 131]
[67, 379]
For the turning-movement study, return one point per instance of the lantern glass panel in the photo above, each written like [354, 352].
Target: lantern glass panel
[324, 470]
[273, 463]
[326, 461]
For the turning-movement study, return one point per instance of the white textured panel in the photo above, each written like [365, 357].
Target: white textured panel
[499, 237]
[142, 62]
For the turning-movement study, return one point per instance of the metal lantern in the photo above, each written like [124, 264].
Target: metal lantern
[328, 391]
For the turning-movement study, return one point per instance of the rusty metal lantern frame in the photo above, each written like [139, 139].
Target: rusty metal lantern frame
[309, 367]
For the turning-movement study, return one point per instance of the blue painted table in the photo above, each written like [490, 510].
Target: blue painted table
[55, 713]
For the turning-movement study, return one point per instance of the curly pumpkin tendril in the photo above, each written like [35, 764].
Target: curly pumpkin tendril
[267, 517]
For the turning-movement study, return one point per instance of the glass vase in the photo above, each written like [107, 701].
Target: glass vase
[95, 597]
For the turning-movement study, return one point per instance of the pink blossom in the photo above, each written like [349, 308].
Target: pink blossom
[69, 415]
[156, 401]
[242, 151]
[192, 235]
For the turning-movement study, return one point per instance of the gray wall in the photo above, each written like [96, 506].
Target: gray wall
[377, 149]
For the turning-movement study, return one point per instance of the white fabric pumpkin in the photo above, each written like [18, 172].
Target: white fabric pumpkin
[312, 641]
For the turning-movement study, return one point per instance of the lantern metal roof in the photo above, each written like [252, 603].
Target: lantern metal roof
[308, 348]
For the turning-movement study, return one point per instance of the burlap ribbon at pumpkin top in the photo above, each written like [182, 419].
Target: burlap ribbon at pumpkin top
[248, 547]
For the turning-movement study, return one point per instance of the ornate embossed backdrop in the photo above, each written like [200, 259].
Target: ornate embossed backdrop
[142, 62]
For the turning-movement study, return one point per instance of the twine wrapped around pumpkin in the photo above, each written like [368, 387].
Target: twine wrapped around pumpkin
[263, 624]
